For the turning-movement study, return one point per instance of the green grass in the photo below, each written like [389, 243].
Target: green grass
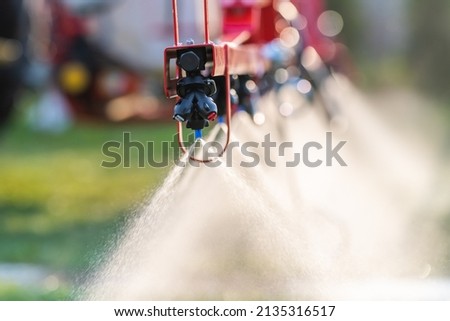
[59, 207]
[13, 292]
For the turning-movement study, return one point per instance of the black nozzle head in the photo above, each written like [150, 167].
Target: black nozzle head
[189, 61]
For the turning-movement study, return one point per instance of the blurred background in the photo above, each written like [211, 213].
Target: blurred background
[77, 73]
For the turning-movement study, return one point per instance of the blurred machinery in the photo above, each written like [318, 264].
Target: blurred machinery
[96, 83]
[104, 57]
[13, 32]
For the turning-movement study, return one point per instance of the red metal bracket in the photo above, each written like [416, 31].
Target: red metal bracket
[221, 60]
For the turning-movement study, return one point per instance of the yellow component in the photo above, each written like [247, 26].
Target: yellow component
[10, 50]
[74, 77]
